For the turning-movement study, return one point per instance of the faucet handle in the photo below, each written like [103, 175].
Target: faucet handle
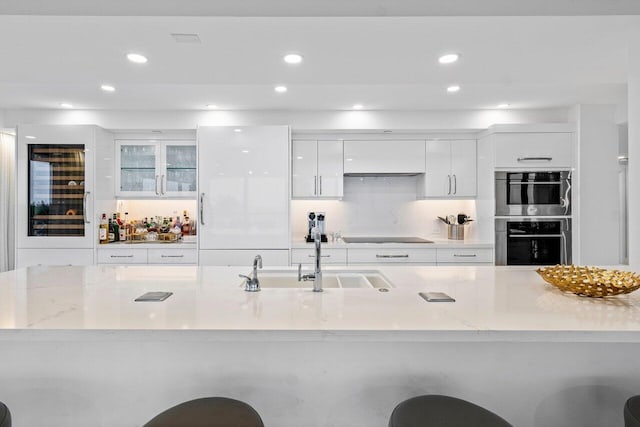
[245, 277]
[299, 272]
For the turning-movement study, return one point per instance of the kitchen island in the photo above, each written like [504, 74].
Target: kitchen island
[77, 350]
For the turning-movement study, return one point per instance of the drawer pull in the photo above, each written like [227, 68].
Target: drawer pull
[321, 256]
[535, 159]
[121, 256]
[465, 256]
[171, 256]
[392, 256]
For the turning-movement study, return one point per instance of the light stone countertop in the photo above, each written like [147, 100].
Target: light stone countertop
[492, 303]
[438, 243]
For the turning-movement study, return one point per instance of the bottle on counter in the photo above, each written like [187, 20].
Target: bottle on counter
[111, 236]
[185, 225]
[104, 230]
[116, 229]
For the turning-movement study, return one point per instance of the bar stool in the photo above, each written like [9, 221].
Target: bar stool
[632, 412]
[208, 412]
[443, 411]
[5, 416]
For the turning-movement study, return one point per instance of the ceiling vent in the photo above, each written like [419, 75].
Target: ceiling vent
[186, 38]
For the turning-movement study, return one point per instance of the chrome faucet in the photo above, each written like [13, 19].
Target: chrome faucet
[252, 284]
[317, 273]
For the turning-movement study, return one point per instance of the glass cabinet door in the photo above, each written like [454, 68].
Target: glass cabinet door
[181, 172]
[56, 190]
[138, 173]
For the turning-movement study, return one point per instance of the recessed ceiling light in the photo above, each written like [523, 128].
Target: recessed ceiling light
[449, 58]
[66, 105]
[30, 137]
[108, 88]
[237, 130]
[298, 157]
[212, 106]
[245, 151]
[137, 58]
[280, 89]
[358, 107]
[453, 88]
[293, 58]
[504, 105]
[349, 160]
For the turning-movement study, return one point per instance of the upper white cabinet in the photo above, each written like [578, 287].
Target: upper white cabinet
[244, 187]
[534, 150]
[317, 169]
[384, 157]
[450, 170]
[156, 168]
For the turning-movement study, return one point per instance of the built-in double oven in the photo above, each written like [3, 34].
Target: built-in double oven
[533, 217]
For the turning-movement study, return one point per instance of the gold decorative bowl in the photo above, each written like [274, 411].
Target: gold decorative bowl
[590, 281]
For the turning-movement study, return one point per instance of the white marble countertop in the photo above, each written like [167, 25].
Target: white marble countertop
[438, 243]
[492, 303]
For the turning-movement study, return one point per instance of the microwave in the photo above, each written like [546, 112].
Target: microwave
[539, 193]
[533, 241]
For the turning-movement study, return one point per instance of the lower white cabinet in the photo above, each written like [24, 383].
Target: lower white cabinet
[465, 256]
[329, 256]
[147, 256]
[244, 257]
[34, 257]
[387, 256]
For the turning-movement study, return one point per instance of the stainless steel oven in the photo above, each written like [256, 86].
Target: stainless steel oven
[533, 241]
[533, 193]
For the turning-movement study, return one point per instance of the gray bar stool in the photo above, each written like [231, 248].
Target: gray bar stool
[632, 412]
[5, 416]
[443, 411]
[208, 412]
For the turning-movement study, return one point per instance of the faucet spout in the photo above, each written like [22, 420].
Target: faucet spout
[317, 274]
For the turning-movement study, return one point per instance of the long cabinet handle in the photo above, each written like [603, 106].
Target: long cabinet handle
[529, 236]
[321, 185]
[84, 207]
[120, 256]
[163, 184]
[449, 178]
[171, 256]
[157, 193]
[315, 185]
[465, 255]
[202, 208]
[321, 256]
[392, 256]
[455, 184]
[535, 159]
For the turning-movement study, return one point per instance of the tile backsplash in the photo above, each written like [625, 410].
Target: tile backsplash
[377, 206]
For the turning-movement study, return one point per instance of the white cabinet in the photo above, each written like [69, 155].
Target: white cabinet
[384, 157]
[394, 256]
[308, 256]
[270, 257]
[55, 187]
[450, 170]
[35, 257]
[244, 188]
[171, 255]
[150, 168]
[534, 150]
[122, 256]
[465, 256]
[317, 169]
[139, 255]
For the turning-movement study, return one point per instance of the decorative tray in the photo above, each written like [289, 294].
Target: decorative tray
[590, 281]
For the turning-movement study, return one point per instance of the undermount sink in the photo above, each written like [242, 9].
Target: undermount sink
[286, 279]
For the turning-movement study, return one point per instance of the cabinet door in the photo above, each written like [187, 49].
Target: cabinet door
[55, 197]
[304, 173]
[178, 175]
[330, 169]
[463, 168]
[378, 157]
[534, 150]
[437, 177]
[137, 168]
[244, 187]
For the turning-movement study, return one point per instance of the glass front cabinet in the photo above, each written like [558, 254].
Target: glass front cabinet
[146, 168]
[55, 187]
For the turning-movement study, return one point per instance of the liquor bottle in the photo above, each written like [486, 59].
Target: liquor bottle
[177, 224]
[185, 225]
[116, 228]
[118, 220]
[104, 230]
[112, 237]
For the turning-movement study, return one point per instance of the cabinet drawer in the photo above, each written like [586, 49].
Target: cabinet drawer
[173, 256]
[329, 256]
[33, 257]
[122, 256]
[465, 255]
[240, 257]
[524, 150]
[379, 256]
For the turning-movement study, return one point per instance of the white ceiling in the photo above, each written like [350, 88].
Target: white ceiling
[383, 63]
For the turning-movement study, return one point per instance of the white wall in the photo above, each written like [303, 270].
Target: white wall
[382, 206]
[599, 196]
[298, 120]
[634, 151]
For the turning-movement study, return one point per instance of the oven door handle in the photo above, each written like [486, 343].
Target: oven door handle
[535, 159]
[535, 235]
[564, 249]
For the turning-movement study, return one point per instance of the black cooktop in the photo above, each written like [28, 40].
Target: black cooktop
[385, 240]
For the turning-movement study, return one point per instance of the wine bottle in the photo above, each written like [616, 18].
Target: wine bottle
[104, 230]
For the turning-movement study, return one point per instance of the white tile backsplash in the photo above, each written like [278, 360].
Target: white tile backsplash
[382, 206]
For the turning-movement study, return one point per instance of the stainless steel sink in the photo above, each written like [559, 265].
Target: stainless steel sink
[347, 279]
